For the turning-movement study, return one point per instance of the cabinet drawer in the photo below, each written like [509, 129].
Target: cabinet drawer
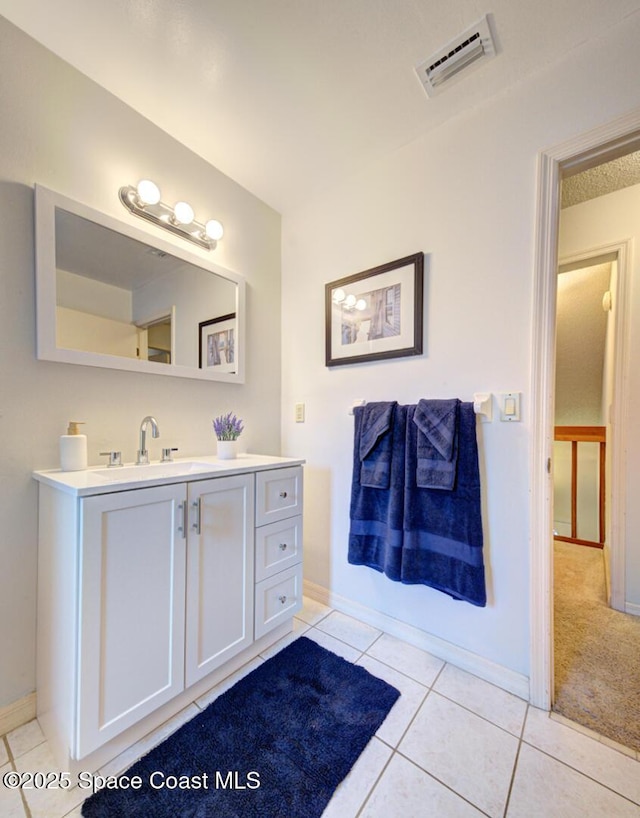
[278, 494]
[278, 546]
[277, 599]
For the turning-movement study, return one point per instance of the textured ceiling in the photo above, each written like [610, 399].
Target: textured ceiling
[288, 97]
[603, 179]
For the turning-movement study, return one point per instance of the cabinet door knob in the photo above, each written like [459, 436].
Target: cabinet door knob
[282, 599]
[283, 546]
[283, 494]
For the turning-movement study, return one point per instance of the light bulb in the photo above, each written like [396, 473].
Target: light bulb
[148, 192]
[361, 304]
[213, 229]
[183, 213]
[339, 296]
[350, 301]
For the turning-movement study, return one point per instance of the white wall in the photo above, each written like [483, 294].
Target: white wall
[604, 221]
[465, 195]
[581, 333]
[61, 130]
[94, 297]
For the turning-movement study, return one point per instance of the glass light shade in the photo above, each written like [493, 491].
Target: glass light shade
[361, 304]
[213, 229]
[350, 301]
[183, 213]
[148, 192]
[339, 296]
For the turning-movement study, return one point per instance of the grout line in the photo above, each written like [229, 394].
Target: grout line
[479, 715]
[515, 762]
[438, 674]
[397, 670]
[375, 783]
[342, 641]
[582, 773]
[559, 718]
[441, 782]
[12, 762]
[412, 719]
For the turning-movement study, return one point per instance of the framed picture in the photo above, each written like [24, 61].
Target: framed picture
[375, 314]
[216, 347]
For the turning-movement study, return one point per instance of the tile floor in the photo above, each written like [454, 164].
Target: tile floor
[453, 746]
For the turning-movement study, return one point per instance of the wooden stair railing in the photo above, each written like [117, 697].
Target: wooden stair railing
[584, 434]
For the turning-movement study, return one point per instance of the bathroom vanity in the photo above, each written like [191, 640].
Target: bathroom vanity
[154, 583]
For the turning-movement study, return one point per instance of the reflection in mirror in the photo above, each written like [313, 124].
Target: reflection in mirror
[122, 302]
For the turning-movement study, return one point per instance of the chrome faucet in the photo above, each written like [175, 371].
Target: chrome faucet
[143, 454]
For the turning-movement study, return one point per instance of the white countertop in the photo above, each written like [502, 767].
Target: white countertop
[104, 480]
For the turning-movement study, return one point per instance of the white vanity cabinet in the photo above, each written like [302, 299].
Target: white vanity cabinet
[147, 595]
[278, 547]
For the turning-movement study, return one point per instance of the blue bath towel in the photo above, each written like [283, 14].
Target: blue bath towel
[442, 530]
[375, 535]
[437, 443]
[374, 444]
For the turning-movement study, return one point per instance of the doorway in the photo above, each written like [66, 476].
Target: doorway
[601, 145]
[595, 647]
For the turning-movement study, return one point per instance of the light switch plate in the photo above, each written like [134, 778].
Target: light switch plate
[299, 413]
[510, 406]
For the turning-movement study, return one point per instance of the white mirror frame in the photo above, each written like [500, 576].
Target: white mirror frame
[46, 202]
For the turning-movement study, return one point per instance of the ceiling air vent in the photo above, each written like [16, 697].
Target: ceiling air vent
[469, 48]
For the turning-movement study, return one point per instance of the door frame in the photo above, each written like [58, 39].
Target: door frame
[580, 153]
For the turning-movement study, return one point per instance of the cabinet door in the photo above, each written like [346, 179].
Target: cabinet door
[131, 652]
[219, 572]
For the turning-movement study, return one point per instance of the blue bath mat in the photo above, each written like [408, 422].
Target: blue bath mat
[276, 745]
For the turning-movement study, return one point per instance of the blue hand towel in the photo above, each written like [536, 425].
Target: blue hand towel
[437, 443]
[375, 533]
[442, 530]
[374, 445]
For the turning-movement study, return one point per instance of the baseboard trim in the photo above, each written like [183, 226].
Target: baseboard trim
[509, 680]
[18, 713]
[632, 608]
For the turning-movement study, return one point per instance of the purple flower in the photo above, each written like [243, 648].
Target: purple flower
[228, 427]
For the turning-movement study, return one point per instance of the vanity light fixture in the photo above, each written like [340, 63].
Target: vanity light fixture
[144, 201]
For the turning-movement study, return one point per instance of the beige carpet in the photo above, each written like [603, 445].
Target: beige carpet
[597, 649]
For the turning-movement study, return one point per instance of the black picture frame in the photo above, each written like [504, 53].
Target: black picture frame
[375, 314]
[216, 343]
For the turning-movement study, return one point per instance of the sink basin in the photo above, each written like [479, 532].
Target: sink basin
[152, 471]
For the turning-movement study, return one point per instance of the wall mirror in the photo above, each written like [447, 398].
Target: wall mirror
[111, 295]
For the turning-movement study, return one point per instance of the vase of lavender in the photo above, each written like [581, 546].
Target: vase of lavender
[228, 429]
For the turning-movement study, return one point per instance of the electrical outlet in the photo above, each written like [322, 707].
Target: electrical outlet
[299, 412]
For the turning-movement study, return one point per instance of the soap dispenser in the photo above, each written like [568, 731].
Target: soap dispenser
[73, 448]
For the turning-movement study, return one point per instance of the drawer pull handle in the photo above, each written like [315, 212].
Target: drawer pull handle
[197, 506]
[282, 599]
[283, 546]
[182, 528]
[283, 494]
